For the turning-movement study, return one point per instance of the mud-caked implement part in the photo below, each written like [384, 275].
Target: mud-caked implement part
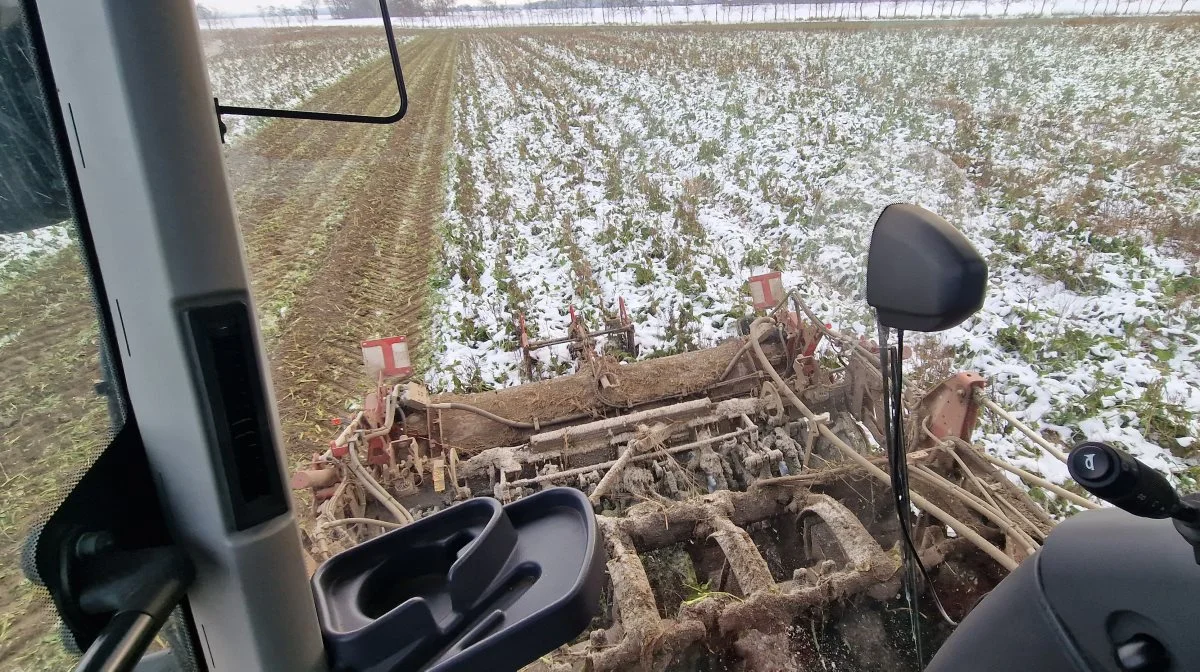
[724, 574]
[740, 489]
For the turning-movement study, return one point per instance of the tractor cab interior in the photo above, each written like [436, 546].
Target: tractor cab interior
[756, 472]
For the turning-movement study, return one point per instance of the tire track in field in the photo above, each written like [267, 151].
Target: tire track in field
[372, 281]
[296, 183]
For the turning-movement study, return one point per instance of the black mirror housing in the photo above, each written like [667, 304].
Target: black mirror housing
[922, 273]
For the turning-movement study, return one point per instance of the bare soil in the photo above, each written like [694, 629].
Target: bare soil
[340, 233]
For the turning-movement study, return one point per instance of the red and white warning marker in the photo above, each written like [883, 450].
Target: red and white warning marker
[387, 357]
[766, 290]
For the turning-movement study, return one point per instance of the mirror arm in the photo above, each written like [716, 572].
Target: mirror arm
[392, 118]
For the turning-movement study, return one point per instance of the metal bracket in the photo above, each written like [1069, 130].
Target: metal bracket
[812, 426]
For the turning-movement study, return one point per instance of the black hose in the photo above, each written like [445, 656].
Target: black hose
[892, 365]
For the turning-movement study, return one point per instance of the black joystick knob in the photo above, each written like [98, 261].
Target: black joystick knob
[1120, 479]
[1123, 481]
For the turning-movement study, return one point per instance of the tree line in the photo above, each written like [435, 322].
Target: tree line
[489, 12]
[307, 12]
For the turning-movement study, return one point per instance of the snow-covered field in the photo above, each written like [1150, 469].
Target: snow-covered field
[666, 168]
[20, 251]
[260, 68]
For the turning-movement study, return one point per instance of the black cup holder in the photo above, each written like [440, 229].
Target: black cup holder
[395, 580]
[477, 586]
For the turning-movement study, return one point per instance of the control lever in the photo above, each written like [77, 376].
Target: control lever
[1125, 482]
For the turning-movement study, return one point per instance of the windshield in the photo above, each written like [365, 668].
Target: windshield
[58, 409]
[575, 203]
[582, 225]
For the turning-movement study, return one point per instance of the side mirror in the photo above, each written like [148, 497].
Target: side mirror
[922, 274]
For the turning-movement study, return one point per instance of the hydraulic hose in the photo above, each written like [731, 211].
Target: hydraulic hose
[372, 486]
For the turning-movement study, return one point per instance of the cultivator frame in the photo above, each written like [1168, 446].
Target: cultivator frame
[581, 342]
[715, 450]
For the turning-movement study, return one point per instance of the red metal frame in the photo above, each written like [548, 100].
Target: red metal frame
[950, 408]
[769, 300]
[377, 451]
[390, 366]
[580, 339]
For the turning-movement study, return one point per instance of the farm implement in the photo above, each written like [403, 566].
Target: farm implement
[741, 488]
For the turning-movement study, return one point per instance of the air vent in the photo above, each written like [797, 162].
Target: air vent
[231, 386]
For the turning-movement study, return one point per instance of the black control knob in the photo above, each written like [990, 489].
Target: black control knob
[1092, 462]
[1120, 479]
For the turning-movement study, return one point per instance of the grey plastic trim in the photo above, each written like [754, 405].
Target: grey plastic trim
[158, 201]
